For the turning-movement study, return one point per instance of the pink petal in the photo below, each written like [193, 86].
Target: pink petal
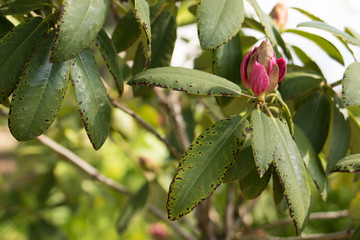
[282, 68]
[272, 62]
[243, 67]
[259, 80]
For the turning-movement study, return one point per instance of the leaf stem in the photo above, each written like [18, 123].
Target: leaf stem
[334, 84]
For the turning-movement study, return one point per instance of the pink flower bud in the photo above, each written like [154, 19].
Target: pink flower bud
[279, 15]
[260, 71]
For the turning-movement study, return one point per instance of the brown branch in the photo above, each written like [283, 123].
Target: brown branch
[313, 216]
[96, 175]
[146, 125]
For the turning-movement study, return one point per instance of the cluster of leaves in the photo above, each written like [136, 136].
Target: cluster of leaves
[300, 134]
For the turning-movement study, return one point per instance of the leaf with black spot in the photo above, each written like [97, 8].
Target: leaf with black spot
[203, 166]
[39, 94]
[91, 98]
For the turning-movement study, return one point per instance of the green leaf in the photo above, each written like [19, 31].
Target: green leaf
[252, 185]
[253, 24]
[273, 144]
[5, 26]
[218, 21]
[133, 208]
[142, 15]
[16, 47]
[297, 83]
[313, 117]
[111, 59]
[203, 166]
[186, 80]
[227, 60]
[278, 194]
[91, 98]
[243, 164]
[12, 7]
[39, 94]
[126, 32]
[312, 162]
[337, 144]
[352, 32]
[323, 43]
[354, 208]
[324, 26]
[78, 25]
[308, 62]
[271, 31]
[310, 15]
[349, 164]
[351, 85]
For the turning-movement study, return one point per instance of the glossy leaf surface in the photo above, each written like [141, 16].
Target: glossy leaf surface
[203, 166]
[91, 98]
[16, 47]
[126, 32]
[78, 26]
[39, 94]
[186, 80]
[218, 21]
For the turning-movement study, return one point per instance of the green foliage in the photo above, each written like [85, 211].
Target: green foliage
[300, 134]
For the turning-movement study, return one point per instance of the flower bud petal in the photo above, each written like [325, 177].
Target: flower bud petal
[265, 53]
[274, 79]
[243, 71]
[259, 79]
[282, 68]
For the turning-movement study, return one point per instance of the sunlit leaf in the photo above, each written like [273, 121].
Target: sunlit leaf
[203, 166]
[78, 25]
[351, 85]
[324, 26]
[186, 80]
[308, 14]
[16, 47]
[323, 43]
[39, 94]
[218, 21]
[313, 117]
[308, 62]
[91, 98]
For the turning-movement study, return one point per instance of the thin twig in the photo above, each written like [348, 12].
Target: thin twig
[171, 102]
[321, 236]
[146, 125]
[313, 216]
[334, 84]
[95, 174]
